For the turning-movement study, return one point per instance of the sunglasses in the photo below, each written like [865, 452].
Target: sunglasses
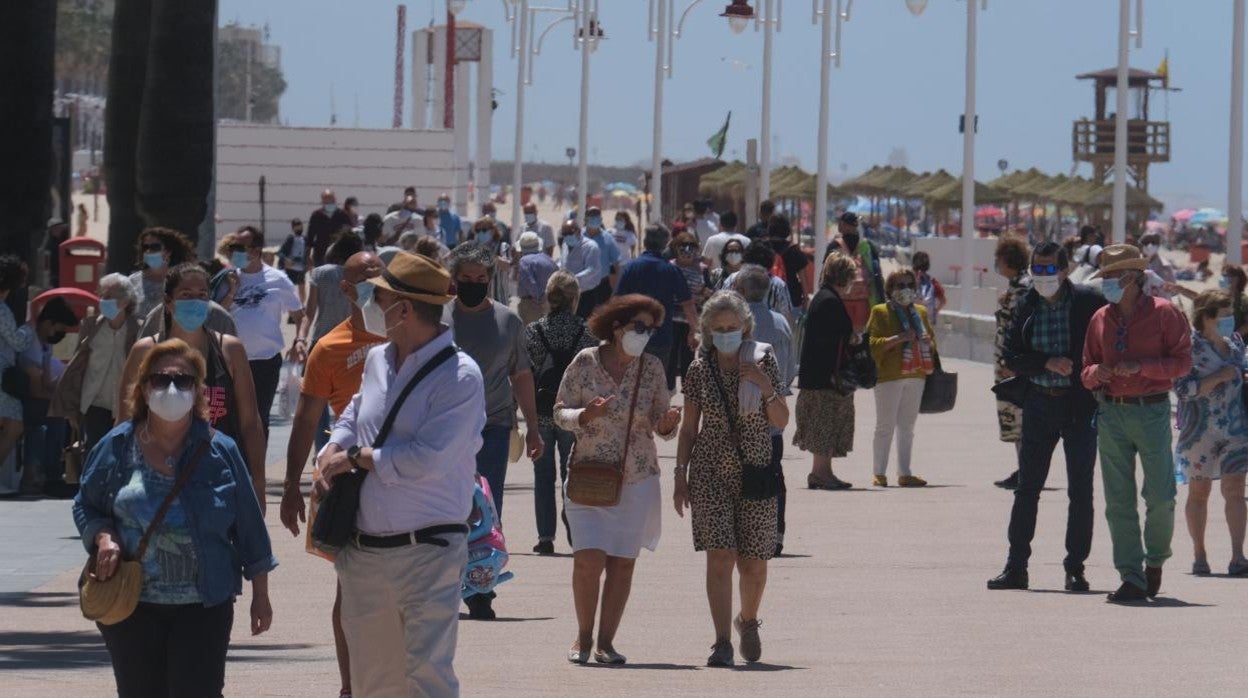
[687, 248]
[639, 327]
[162, 381]
[237, 248]
[1044, 269]
[153, 247]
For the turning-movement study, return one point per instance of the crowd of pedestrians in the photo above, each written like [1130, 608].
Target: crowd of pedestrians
[418, 373]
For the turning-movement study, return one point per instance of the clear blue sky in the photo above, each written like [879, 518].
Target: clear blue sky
[900, 84]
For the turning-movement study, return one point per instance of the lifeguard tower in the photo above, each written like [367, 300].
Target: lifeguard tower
[1147, 141]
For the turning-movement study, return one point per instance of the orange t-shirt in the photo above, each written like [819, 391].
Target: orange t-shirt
[336, 365]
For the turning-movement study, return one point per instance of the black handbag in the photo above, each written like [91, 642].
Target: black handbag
[1012, 390]
[334, 526]
[940, 391]
[858, 370]
[758, 481]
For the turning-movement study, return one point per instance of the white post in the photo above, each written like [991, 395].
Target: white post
[821, 174]
[968, 162]
[656, 155]
[463, 128]
[751, 180]
[420, 80]
[485, 114]
[517, 164]
[582, 174]
[1118, 231]
[764, 177]
[1235, 200]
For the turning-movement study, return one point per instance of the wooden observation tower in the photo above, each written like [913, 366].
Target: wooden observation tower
[1147, 141]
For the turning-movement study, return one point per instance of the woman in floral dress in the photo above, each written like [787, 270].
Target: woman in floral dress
[1213, 430]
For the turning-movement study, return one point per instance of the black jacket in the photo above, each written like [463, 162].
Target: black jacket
[1019, 357]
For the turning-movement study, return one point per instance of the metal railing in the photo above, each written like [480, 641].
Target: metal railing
[1148, 141]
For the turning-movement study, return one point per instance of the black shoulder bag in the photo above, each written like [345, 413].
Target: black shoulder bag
[335, 518]
[758, 481]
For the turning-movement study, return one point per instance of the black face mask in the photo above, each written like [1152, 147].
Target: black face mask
[851, 242]
[472, 293]
[56, 337]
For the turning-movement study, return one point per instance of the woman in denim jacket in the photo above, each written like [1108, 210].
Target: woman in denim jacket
[175, 642]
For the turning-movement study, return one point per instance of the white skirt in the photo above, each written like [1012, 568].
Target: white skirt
[624, 529]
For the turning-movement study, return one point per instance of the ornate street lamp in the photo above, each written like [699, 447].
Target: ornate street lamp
[739, 14]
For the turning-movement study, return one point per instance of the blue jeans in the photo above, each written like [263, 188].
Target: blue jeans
[492, 461]
[43, 440]
[544, 478]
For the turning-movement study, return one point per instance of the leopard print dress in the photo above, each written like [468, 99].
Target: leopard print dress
[722, 519]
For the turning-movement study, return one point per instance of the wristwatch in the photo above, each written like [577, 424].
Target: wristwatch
[353, 454]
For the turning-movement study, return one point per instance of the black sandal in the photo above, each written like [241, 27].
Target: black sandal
[815, 483]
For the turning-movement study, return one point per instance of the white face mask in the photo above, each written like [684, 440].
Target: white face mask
[903, 296]
[170, 404]
[733, 258]
[634, 343]
[1046, 286]
[374, 318]
[1150, 250]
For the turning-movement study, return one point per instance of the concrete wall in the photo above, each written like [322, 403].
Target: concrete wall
[373, 165]
[962, 334]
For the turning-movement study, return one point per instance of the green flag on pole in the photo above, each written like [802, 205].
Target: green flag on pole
[717, 141]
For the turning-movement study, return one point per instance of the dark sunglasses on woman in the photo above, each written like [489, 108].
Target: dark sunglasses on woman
[161, 381]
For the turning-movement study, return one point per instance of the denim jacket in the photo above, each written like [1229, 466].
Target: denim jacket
[231, 541]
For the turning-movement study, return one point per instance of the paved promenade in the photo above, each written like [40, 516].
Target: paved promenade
[880, 592]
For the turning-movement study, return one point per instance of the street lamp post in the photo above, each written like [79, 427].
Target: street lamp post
[517, 166]
[1118, 229]
[771, 23]
[1235, 202]
[827, 54]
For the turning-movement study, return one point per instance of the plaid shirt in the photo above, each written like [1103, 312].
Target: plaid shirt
[1051, 335]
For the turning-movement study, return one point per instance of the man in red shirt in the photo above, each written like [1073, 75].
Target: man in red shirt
[331, 376]
[1136, 346]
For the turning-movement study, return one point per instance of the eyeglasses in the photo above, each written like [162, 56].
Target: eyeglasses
[1121, 344]
[639, 327]
[153, 247]
[687, 248]
[1044, 269]
[237, 248]
[161, 381]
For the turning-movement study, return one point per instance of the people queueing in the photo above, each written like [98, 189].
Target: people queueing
[293, 257]
[1136, 346]
[903, 346]
[14, 339]
[614, 400]
[712, 250]
[553, 342]
[400, 576]
[1010, 259]
[580, 257]
[825, 403]
[687, 259]
[652, 275]
[258, 296]
[610, 254]
[1213, 427]
[231, 393]
[164, 455]
[733, 399]
[772, 329]
[44, 435]
[331, 377]
[324, 223]
[407, 217]
[1044, 348]
[449, 221]
[868, 290]
[493, 335]
[544, 231]
[532, 272]
[625, 235]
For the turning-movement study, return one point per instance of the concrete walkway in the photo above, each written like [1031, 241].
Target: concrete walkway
[880, 592]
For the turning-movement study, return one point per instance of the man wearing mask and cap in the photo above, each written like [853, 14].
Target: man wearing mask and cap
[867, 291]
[532, 273]
[543, 229]
[449, 221]
[610, 256]
[331, 377]
[401, 574]
[1044, 348]
[493, 335]
[323, 224]
[1136, 346]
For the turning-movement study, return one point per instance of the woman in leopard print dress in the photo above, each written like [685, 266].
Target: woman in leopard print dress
[734, 532]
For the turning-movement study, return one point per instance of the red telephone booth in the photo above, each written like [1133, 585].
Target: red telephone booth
[78, 299]
[81, 263]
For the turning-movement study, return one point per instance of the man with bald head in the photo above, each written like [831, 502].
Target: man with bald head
[331, 377]
[323, 223]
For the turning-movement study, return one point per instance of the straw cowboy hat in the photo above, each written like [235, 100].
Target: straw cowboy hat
[1120, 258]
[417, 277]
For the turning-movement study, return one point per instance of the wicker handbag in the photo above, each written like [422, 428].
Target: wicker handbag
[111, 601]
[594, 483]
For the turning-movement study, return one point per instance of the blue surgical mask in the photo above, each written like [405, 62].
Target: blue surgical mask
[530, 218]
[190, 314]
[572, 241]
[727, 342]
[238, 260]
[594, 221]
[1112, 290]
[330, 208]
[1226, 326]
[109, 308]
[363, 293]
[154, 260]
[444, 205]
[1224, 282]
[484, 236]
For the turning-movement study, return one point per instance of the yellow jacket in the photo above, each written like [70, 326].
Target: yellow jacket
[884, 324]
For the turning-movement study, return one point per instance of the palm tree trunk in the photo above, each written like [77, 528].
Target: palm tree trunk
[127, 71]
[175, 144]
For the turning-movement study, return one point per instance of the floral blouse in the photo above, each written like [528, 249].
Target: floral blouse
[602, 439]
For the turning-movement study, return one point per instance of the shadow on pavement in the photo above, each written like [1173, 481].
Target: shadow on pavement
[653, 666]
[56, 649]
[1169, 602]
[764, 666]
[500, 619]
[38, 599]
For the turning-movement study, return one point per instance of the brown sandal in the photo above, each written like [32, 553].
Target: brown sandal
[816, 483]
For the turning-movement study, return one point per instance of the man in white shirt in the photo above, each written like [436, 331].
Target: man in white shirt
[715, 244]
[398, 222]
[400, 577]
[704, 224]
[258, 296]
[582, 259]
[542, 228]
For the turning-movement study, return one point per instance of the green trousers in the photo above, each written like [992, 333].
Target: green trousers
[1124, 432]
